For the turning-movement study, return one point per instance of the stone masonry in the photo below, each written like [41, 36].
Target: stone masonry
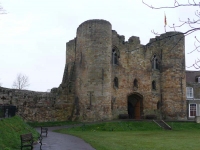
[106, 76]
[34, 106]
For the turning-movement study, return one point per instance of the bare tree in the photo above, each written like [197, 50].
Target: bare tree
[21, 82]
[2, 11]
[192, 23]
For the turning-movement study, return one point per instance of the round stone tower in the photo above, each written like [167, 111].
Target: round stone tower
[173, 79]
[93, 70]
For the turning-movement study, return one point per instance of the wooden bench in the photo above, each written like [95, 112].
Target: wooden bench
[26, 140]
[44, 130]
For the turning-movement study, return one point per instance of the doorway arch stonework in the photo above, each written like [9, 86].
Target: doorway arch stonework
[135, 106]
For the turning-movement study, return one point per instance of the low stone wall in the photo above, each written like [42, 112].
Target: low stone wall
[35, 106]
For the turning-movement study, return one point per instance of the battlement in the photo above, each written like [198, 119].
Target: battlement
[90, 23]
[167, 36]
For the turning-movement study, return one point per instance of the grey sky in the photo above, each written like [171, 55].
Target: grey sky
[34, 33]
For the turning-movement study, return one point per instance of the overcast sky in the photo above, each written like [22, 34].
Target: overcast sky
[33, 34]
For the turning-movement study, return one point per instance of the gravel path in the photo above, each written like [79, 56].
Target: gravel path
[58, 141]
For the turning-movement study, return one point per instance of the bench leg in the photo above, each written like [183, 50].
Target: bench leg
[41, 146]
[31, 147]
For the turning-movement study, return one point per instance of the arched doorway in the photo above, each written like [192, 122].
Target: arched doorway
[135, 106]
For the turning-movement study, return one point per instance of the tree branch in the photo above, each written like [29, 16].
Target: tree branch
[193, 25]
[176, 4]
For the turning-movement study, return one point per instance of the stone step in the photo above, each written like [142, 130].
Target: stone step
[162, 124]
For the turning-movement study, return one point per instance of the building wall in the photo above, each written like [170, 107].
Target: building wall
[135, 62]
[192, 81]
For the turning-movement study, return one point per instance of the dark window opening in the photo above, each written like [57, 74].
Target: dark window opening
[135, 83]
[70, 87]
[116, 84]
[158, 105]
[198, 79]
[153, 85]
[155, 63]
[115, 57]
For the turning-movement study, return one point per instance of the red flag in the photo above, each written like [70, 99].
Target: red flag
[165, 20]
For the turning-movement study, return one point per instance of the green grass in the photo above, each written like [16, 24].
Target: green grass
[138, 136]
[10, 131]
[178, 126]
[51, 124]
[118, 126]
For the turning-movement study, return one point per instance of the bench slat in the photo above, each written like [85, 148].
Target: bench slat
[26, 140]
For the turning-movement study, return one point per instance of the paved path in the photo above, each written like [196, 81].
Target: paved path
[58, 141]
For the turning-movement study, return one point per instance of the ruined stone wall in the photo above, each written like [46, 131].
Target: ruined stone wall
[35, 106]
[67, 87]
[70, 60]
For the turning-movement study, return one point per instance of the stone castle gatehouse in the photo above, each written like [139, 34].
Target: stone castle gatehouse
[106, 76]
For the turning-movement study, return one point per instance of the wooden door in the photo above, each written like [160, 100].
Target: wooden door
[137, 110]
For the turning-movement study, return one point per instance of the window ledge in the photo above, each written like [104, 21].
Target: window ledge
[189, 98]
[193, 99]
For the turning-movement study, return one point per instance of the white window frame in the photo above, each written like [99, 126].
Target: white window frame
[189, 92]
[195, 110]
[198, 79]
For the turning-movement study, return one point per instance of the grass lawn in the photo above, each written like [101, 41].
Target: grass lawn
[10, 131]
[138, 136]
